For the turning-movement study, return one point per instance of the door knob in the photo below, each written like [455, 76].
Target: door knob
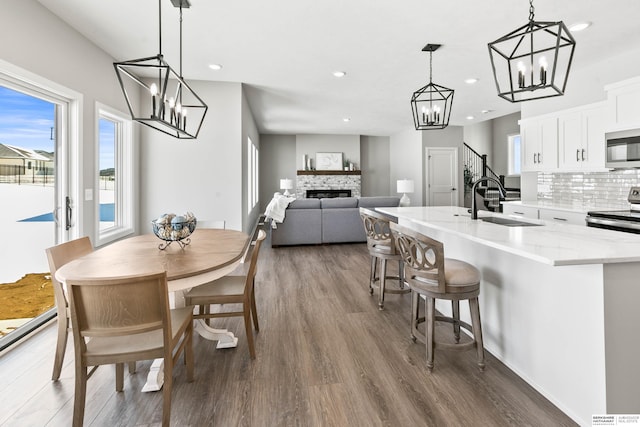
[453, 189]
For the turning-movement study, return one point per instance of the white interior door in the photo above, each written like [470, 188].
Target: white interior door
[442, 176]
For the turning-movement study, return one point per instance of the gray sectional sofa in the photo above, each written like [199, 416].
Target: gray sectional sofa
[331, 220]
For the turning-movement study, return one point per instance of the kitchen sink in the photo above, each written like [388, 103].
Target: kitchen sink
[507, 221]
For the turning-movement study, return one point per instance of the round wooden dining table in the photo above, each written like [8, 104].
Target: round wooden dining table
[211, 254]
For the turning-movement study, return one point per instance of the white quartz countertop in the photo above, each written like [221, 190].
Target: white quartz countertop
[550, 243]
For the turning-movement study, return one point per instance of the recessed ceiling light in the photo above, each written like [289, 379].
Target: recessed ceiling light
[486, 111]
[346, 119]
[471, 81]
[339, 74]
[579, 26]
[215, 67]
[470, 117]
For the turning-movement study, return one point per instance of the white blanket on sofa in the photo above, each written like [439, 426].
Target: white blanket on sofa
[277, 207]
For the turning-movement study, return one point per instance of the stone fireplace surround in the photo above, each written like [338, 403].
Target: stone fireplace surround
[328, 180]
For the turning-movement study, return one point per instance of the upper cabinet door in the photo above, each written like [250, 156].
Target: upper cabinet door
[548, 144]
[623, 105]
[570, 140]
[593, 141]
[539, 144]
[581, 138]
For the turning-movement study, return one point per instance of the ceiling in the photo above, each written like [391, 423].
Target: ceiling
[285, 51]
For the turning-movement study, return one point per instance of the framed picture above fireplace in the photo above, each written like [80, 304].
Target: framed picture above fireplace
[329, 161]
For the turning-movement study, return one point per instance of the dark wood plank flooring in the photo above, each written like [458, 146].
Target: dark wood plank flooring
[326, 356]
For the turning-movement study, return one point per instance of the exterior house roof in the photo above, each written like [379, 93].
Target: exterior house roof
[12, 152]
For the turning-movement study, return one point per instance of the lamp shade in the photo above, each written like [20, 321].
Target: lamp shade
[286, 184]
[405, 186]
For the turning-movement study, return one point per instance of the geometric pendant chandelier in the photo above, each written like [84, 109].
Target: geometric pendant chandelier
[159, 97]
[533, 61]
[431, 104]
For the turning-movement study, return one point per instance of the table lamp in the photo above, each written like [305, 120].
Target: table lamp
[286, 185]
[405, 186]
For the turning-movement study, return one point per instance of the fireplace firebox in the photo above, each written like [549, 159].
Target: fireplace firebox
[319, 194]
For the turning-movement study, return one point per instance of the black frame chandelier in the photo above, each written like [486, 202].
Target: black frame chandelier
[533, 61]
[431, 104]
[165, 100]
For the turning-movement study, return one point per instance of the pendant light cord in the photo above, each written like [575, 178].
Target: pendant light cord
[430, 65]
[531, 11]
[181, 39]
[160, 27]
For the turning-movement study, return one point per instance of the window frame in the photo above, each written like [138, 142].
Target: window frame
[124, 178]
[252, 175]
[514, 164]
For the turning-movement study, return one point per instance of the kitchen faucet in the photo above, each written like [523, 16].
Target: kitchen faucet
[474, 205]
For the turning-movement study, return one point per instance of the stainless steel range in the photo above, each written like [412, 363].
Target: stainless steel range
[623, 220]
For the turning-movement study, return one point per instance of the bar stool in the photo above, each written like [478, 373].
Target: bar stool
[382, 249]
[429, 274]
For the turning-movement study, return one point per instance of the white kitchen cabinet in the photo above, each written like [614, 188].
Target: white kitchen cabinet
[623, 105]
[519, 211]
[562, 216]
[534, 210]
[581, 138]
[539, 144]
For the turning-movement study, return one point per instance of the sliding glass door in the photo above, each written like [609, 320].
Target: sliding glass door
[36, 211]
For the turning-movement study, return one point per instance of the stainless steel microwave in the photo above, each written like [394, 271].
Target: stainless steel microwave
[623, 149]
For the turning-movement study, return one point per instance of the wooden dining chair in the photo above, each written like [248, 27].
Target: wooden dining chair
[115, 321]
[58, 256]
[232, 289]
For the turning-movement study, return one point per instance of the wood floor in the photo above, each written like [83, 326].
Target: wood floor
[326, 356]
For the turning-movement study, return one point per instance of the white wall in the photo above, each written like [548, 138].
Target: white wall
[405, 162]
[204, 176]
[37, 41]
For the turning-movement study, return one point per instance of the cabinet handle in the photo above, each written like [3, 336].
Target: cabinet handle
[583, 154]
[518, 213]
[559, 219]
[534, 158]
[538, 157]
[577, 155]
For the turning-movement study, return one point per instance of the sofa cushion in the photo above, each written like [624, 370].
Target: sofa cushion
[342, 225]
[300, 227]
[339, 202]
[378, 202]
[305, 204]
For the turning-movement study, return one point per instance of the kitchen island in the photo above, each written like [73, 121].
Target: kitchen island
[559, 304]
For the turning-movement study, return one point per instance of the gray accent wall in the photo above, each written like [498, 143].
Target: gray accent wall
[277, 160]
[374, 159]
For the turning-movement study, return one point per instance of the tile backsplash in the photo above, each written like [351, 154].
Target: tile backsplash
[588, 189]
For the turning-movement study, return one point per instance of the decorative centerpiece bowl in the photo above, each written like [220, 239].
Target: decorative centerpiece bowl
[174, 228]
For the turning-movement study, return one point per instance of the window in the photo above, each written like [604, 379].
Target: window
[252, 175]
[114, 189]
[514, 154]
